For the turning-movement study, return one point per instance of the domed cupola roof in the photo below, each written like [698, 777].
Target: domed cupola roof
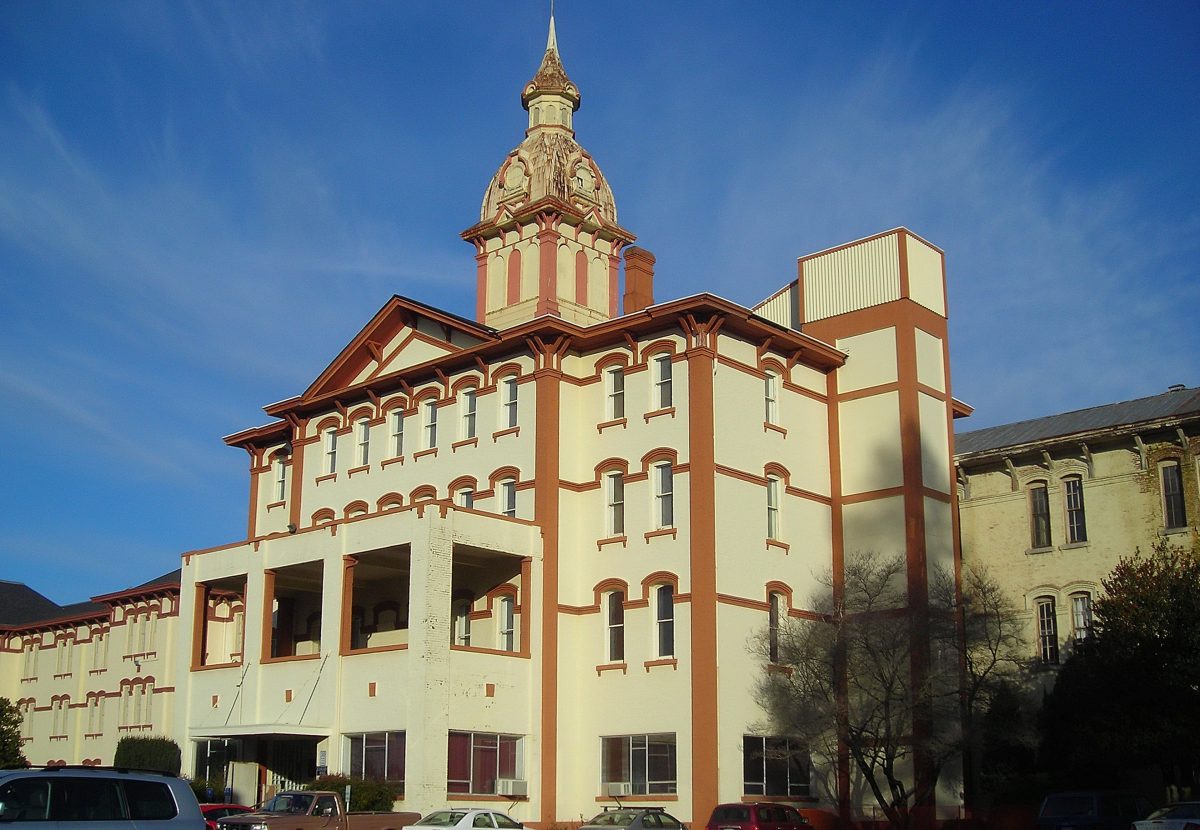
[549, 162]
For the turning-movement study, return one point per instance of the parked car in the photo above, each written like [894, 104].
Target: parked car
[754, 816]
[215, 812]
[1172, 817]
[468, 817]
[313, 810]
[634, 818]
[1092, 810]
[122, 799]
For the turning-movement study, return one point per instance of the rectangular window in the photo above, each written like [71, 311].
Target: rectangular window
[1174, 512]
[1081, 616]
[664, 507]
[280, 477]
[1039, 516]
[1047, 618]
[508, 631]
[508, 402]
[616, 626]
[662, 380]
[665, 620]
[99, 650]
[377, 755]
[467, 407]
[1076, 522]
[364, 442]
[774, 766]
[331, 450]
[466, 497]
[772, 507]
[397, 433]
[646, 762]
[771, 397]
[615, 494]
[476, 759]
[615, 381]
[430, 410]
[508, 497]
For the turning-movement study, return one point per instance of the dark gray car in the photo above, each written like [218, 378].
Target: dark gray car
[634, 818]
[96, 798]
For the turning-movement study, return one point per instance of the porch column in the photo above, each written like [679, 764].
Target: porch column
[428, 674]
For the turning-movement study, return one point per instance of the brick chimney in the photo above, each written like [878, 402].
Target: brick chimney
[639, 280]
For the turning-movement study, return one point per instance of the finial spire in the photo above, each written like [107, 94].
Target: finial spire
[551, 40]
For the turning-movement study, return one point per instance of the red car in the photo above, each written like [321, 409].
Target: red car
[750, 816]
[215, 812]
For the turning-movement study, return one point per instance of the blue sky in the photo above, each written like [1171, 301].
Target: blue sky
[200, 203]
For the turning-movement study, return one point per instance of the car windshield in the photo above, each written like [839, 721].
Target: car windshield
[442, 818]
[1068, 805]
[1189, 810]
[294, 803]
[614, 818]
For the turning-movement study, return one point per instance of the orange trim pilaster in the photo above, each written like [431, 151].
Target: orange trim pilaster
[348, 563]
[480, 281]
[252, 513]
[546, 509]
[199, 625]
[838, 566]
[547, 237]
[526, 604]
[268, 601]
[703, 566]
[297, 482]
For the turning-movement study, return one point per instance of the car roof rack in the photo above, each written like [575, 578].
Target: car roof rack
[100, 767]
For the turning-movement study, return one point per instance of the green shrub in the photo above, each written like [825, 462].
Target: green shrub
[158, 754]
[366, 794]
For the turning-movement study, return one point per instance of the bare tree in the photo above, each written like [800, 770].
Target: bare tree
[878, 680]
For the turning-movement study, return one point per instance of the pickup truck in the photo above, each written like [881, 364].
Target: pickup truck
[313, 810]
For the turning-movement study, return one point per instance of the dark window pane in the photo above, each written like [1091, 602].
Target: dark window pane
[149, 800]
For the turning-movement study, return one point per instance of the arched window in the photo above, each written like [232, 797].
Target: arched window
[775, 613]
[506, 624]
[279, 465]
[1047, 621]
[363, 428]
[664, 620]
[331, 441]
[466, 408]
[429, 413]
[614, 391]
[508, 401]
[614, 496]
[1174, 509]
[1039, 516]
[664, 495]
[397, 428]
[1076, 519]
[772, 506]
[1081, 616]
[616, 626]
[662, 381]
[507, 494]
[771, 397]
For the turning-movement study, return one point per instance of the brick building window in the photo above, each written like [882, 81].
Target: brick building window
[1039, 516]
[1174, 511]
[1076, 521]
[1047, 622]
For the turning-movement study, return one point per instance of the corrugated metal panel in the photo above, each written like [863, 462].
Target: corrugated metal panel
[778, 309]
[851, 278]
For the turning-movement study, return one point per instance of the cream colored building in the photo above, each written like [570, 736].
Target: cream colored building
[520, 558]
[1051, 505]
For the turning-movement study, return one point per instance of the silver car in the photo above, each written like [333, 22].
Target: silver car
[97, 798]
[1172, 817]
